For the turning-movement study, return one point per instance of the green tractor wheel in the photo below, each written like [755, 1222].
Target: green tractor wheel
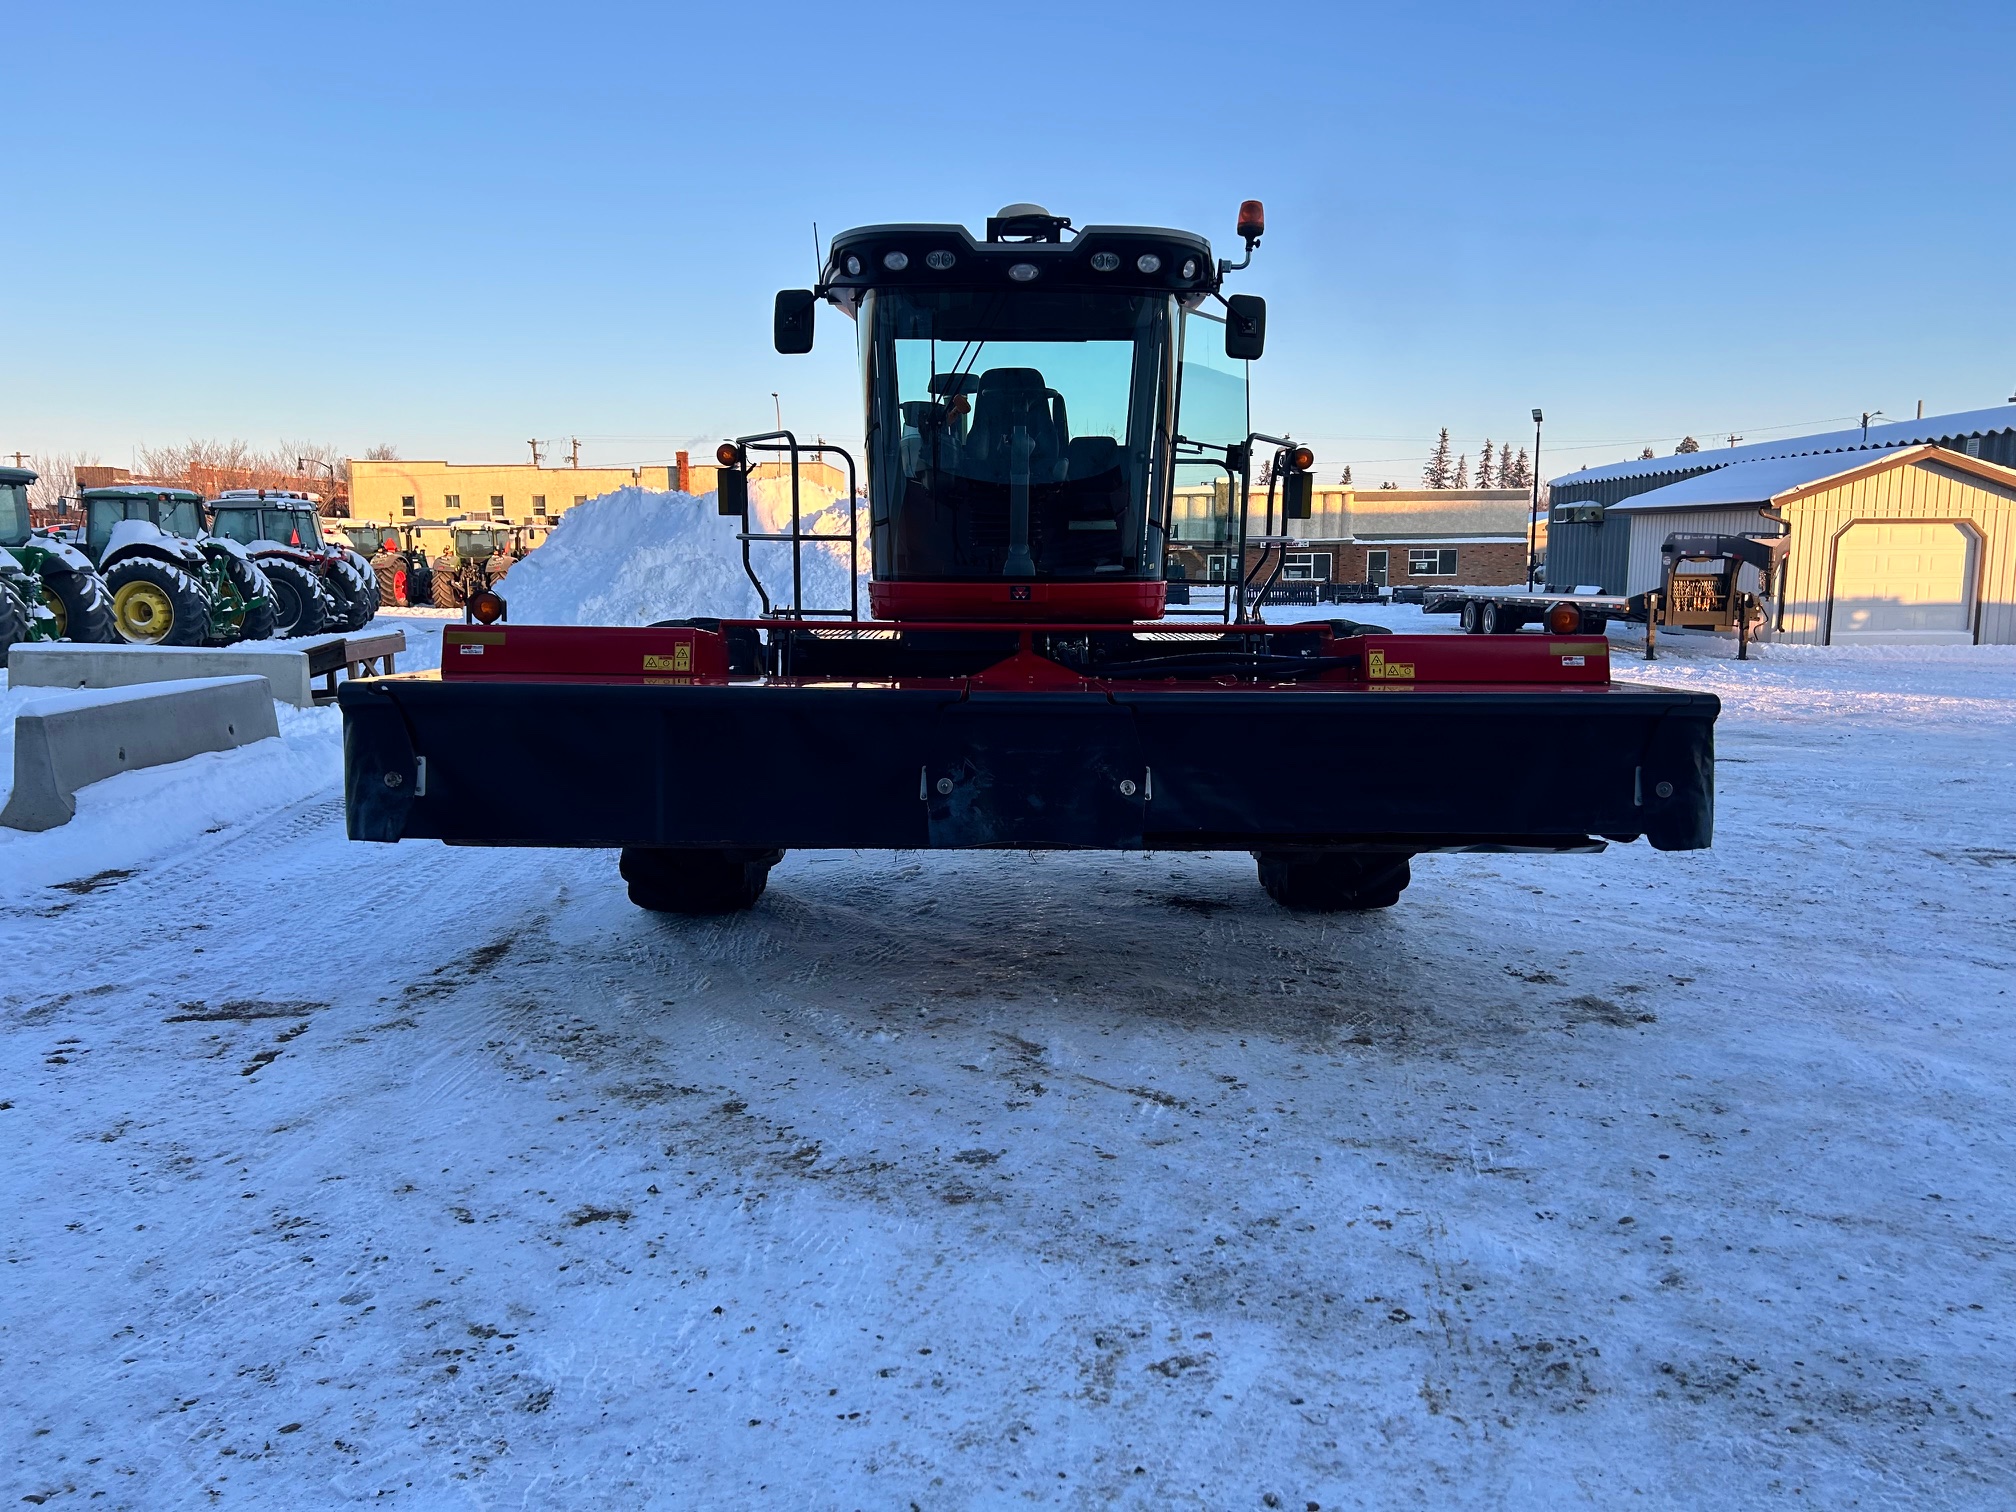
[156, 603]
[14, 619]
[82, 606]
[257, 592]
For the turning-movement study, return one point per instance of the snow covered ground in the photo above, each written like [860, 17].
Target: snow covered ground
[444, 1177]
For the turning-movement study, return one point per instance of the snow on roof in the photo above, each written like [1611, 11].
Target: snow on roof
[1750, 482]
[1903, 433]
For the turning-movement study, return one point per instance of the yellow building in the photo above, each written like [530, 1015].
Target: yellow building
[516, 493]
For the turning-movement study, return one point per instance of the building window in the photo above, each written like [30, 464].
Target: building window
[407, 507]
[1375, 568]
[580, 498]
[496, 506]
[450, 501]
[1215, 566]
[538, 506]
[1306, 566]
[1433, 562]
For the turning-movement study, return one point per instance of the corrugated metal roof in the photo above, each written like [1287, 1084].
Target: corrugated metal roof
[1903, 433]
[1745, 483]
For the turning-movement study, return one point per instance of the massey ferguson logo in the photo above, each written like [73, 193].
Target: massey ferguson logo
[1018, 593]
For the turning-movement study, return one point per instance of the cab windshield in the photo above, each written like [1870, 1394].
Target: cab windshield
[290, 527]
[475, 544]
[178, 517]
[13, 513]
[1016, 434]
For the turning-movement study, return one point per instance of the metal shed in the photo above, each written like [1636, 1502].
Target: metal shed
[1586, 545]
[1915, 545]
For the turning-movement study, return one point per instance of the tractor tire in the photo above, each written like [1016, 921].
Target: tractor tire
[385, 567]
[82, 606]
[14, 620]
[356, 595]
[257, 590]
[419, 584]
[444, 584]
[1334, 881]
[156, 603]
[696, 881]
[301, 605]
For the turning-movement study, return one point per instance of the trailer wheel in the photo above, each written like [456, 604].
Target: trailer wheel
[1472, 618]
[1501, 619]
[1334, 881]
[687, 881]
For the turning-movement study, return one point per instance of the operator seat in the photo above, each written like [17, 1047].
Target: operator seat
[1009, 398]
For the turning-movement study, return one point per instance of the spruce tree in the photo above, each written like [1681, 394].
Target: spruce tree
[1687, 446]
[1463, 471]
[1487, 471]
[1645, 455]
[1438, 473]
[1346, 479]
[1517, 473]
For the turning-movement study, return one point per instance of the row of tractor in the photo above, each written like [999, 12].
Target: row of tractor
[163, 566]
[442, 563]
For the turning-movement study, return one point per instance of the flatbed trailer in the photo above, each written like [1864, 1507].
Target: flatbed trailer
[1502, 611]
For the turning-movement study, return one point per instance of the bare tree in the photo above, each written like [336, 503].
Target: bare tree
[56, 477]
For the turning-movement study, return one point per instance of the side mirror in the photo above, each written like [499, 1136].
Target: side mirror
[1245, 327]
[731, 491]
[1298, 495]
[794, 320]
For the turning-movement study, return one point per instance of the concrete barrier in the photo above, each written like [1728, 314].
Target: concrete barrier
[68, 741]
[64, 664]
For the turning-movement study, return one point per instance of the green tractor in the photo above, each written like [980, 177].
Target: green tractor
[48, 589]
[172, 584]
[478, 554]
[321, 584]
[405, 578]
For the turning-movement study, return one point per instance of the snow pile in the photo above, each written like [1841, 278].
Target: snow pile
[635, 556]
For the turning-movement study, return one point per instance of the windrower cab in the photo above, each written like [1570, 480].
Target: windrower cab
[1049, 415]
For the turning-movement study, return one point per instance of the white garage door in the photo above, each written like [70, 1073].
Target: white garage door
[1902, 584]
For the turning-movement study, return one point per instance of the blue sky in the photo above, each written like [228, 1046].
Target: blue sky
[455, 227]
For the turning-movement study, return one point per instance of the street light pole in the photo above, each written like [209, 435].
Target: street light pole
[1533, 508]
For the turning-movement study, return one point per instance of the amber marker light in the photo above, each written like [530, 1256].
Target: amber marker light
[1252, 220]
[487, 606]
[1564, 619]
[727, 454]
[1304, 459]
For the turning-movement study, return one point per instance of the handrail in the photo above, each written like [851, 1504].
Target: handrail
[768, 441]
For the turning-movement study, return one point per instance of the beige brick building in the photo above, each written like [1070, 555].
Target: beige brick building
[1386, 536]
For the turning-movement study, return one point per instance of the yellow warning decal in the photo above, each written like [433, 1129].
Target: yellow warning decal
[475, 637]
[1578, 648]
[1376, 666]
[681, 660]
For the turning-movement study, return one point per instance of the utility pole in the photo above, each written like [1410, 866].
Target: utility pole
[1533, 509]
[1867, 416]
[1733, 438]
[576, 457]
[21, 458]
[534, 444]
[780, 408]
